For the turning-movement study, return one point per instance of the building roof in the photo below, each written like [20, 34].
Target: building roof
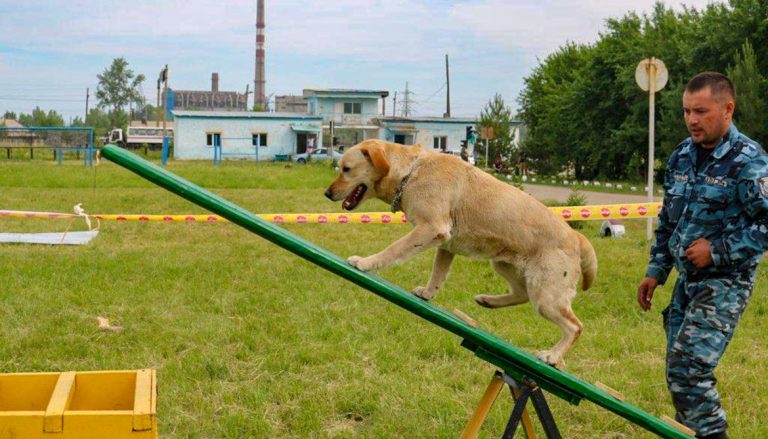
[346, 92]
[244, 115]
[462, 120]
[10, 123]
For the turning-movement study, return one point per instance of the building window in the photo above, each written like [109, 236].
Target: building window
[259, 139]
[440, 142]
[213, 139]
[352, 108]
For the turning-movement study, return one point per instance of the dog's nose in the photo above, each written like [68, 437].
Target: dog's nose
[329, 194]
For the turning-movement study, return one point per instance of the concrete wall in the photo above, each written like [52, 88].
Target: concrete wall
[427, 131]
[333, 108]
[236, 137]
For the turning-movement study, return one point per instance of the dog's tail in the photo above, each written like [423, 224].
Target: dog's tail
[588, 261]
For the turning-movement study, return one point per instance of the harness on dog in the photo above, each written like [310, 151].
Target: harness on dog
[397, 199]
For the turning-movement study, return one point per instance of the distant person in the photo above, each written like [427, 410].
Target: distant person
[498, 164]
[522, 164]
[713, 230]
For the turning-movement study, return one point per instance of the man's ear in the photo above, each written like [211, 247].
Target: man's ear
[375, 154]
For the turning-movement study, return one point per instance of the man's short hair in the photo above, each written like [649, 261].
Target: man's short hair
[717, 82]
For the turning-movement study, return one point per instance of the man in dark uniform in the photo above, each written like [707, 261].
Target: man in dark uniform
[713, 229]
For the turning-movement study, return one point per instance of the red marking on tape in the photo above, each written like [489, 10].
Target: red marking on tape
[623, 211]
[190, 218]
[143, 218]
[404, 219]
[301, 219]
[642, 210]
[322, 219]
[212, 219]
[277, 219]
[605, 212]
[566, 213]
[585, 213]
[386, 219]
[167, 218]
[121, 218]
[343, 219]
[365, 219]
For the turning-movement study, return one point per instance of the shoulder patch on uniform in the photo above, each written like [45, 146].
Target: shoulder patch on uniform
[763, 183]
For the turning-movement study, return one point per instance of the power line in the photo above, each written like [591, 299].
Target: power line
[16, 98]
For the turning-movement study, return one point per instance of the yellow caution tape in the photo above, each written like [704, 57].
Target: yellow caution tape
[570, 213]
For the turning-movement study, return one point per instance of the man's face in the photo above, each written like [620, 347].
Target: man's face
[707, 117]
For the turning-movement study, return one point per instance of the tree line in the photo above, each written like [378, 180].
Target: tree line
[118, 94]
[584, 113]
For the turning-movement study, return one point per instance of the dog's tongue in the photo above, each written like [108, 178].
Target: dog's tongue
[354, 198]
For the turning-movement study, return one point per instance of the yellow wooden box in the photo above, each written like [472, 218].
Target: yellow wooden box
[79, 405]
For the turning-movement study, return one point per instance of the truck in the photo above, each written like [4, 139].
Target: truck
[139, 134]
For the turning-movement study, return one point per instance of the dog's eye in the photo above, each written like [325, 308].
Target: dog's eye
[345, 169]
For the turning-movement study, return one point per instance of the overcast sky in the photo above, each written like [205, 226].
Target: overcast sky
[51, 51]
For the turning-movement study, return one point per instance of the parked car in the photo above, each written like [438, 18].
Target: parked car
[318, 154]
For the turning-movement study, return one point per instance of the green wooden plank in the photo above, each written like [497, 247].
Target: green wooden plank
[485, 345]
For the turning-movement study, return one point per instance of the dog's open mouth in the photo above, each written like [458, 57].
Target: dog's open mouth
[354, 198]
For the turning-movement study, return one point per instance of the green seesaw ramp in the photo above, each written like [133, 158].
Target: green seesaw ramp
[514, 361]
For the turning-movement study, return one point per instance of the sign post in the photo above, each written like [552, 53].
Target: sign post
[651, 75]
[487, 134]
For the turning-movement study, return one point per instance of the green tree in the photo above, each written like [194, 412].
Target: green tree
[498, 116]
[750, 105]
[584, 113]
[9, 115]
[118, 88]
[39, 118]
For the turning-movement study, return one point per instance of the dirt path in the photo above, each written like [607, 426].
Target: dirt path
[544, 192]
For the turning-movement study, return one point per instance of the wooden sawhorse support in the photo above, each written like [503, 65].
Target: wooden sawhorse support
[521, 392]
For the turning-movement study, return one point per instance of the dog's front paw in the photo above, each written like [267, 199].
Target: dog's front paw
[423, 293]
[552, 358]
[361, 263]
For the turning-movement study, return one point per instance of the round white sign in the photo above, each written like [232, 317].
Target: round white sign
[651, 68]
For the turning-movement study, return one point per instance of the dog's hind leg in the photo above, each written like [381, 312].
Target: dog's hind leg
[517, 291]
[557, 309]
[440, 268]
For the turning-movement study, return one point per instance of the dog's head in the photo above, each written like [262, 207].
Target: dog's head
[359, 169]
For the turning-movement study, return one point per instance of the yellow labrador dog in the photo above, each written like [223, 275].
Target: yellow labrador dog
[462, 210]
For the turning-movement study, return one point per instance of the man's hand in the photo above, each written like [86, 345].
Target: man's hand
[699, 253]
[645, 292]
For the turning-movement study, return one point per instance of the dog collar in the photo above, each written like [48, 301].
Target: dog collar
[396, 200]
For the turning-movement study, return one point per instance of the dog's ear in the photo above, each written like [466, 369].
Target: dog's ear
[375, 154]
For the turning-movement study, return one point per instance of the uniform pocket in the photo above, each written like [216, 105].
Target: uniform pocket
[675, 201]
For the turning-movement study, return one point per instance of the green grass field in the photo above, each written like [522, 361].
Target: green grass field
[252, 342]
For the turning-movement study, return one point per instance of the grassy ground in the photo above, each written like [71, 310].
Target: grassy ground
[250, 341]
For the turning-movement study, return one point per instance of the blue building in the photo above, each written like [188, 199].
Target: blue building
[438, 133]
[353, 112]
[243, 135]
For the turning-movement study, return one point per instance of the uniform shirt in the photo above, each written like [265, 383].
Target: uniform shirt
[724, 200]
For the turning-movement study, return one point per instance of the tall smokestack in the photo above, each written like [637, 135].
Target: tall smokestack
[214, 82]
[260, 79]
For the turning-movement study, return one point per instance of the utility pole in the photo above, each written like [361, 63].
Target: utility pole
[87, 96]
[448, 89]
[407, 102]
[394, 105]
[246, 96]
[166, 141]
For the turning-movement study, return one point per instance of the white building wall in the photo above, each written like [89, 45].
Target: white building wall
[427, 131]
[236, 137]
